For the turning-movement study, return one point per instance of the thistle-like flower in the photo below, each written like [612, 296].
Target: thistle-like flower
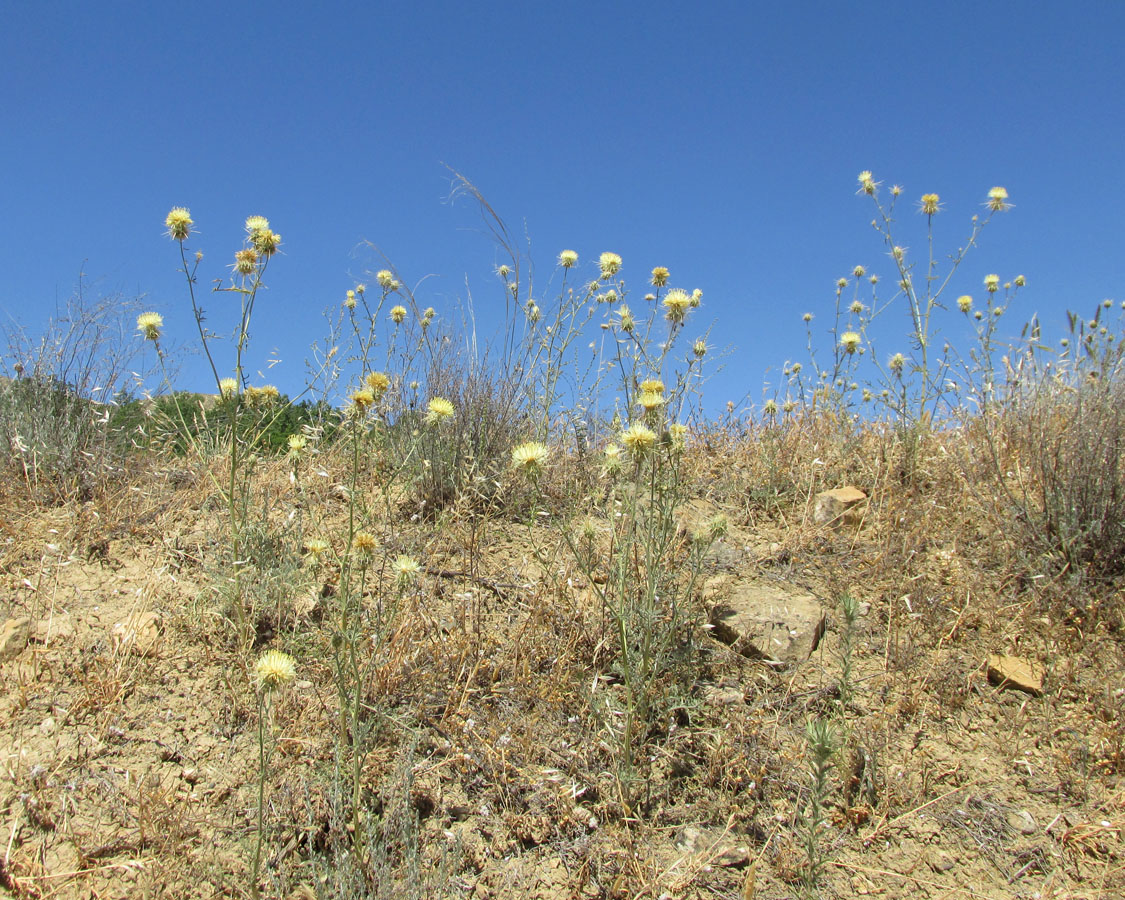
[610, 264]
[676, 303]
[660, 276]
[398, 314]
[638, 439]
[178, 222]
[256, 223]
[365, 544]
[998, 200]
[385, 278]
[349, 300]
[530, 457]
[859, 271]
[149, 324]
[769, 408]
[568, 259]
[930, 204]
[316, 548]
[377, 383]
[297, 443]
[896, 364]
[699, 348]
[628, 323]
[274, 669]
[849, 340]
[965, 303]
[992, 283]
[228, 388]
[361, 400]
[245, 261]
[265, 241]
[406, 569]
[438, 411]
[867, 184]
[650, 401]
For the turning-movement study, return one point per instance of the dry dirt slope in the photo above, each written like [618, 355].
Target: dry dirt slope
[128, 736]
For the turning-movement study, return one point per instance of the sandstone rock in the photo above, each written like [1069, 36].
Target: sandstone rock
[841, 506]
[14, 634]
[771, 621]
[712, 846]
[139, 634]
[1015, 672]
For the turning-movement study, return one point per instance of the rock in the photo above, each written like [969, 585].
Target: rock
[1022, 821]
[712, 847]
[14, 634]
[53, 629]
[139, 634]
[775, 622]
[723, 695]
[1015, 672]
[840, 506]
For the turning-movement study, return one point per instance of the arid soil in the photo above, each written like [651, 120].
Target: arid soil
[129, 753]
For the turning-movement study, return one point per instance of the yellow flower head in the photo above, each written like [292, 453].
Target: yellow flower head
[841, 283]
[965, 303]
[261, 396]
[660, 276]
[856, 308]
[650, 401]
[398, 314]
[385, 278]
[530, 457]
[297, 443]
[992, 283]
[678, 433]
[998, 199]
[228, 387]
[274, 669]
[377, 383]
[896, 364]
[696, 298]
[406, 570]
[365, 544]
[257, 223]
[178, 222]
[770, 408]
[699, 348]
[438, 411]
[245, 261]
[610, 264]
[859, 271]
[676, 303]
[1020, 281]
[265, 241]
[849, 340]
[653, 385]
[930, 204]
[149, 324]
[628, 323]
[568, 259]
[867, 183]
[362, 400]
[638, 439]
[316, 548]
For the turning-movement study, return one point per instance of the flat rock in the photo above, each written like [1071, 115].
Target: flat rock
[1015, 672]
[14, 634]
[766, 620]
[840, 506]
[713, 846]
[139, 634]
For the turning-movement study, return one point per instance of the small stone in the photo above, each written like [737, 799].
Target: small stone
[1022, 821]
[48, 726]
[838, 507]
[139, 634]
[712, 846]
[14, 634]
[1015, 672]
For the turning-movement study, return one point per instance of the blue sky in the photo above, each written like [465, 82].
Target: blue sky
[721, 140]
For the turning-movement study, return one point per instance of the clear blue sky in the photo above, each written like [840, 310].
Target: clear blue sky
[721, 140]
